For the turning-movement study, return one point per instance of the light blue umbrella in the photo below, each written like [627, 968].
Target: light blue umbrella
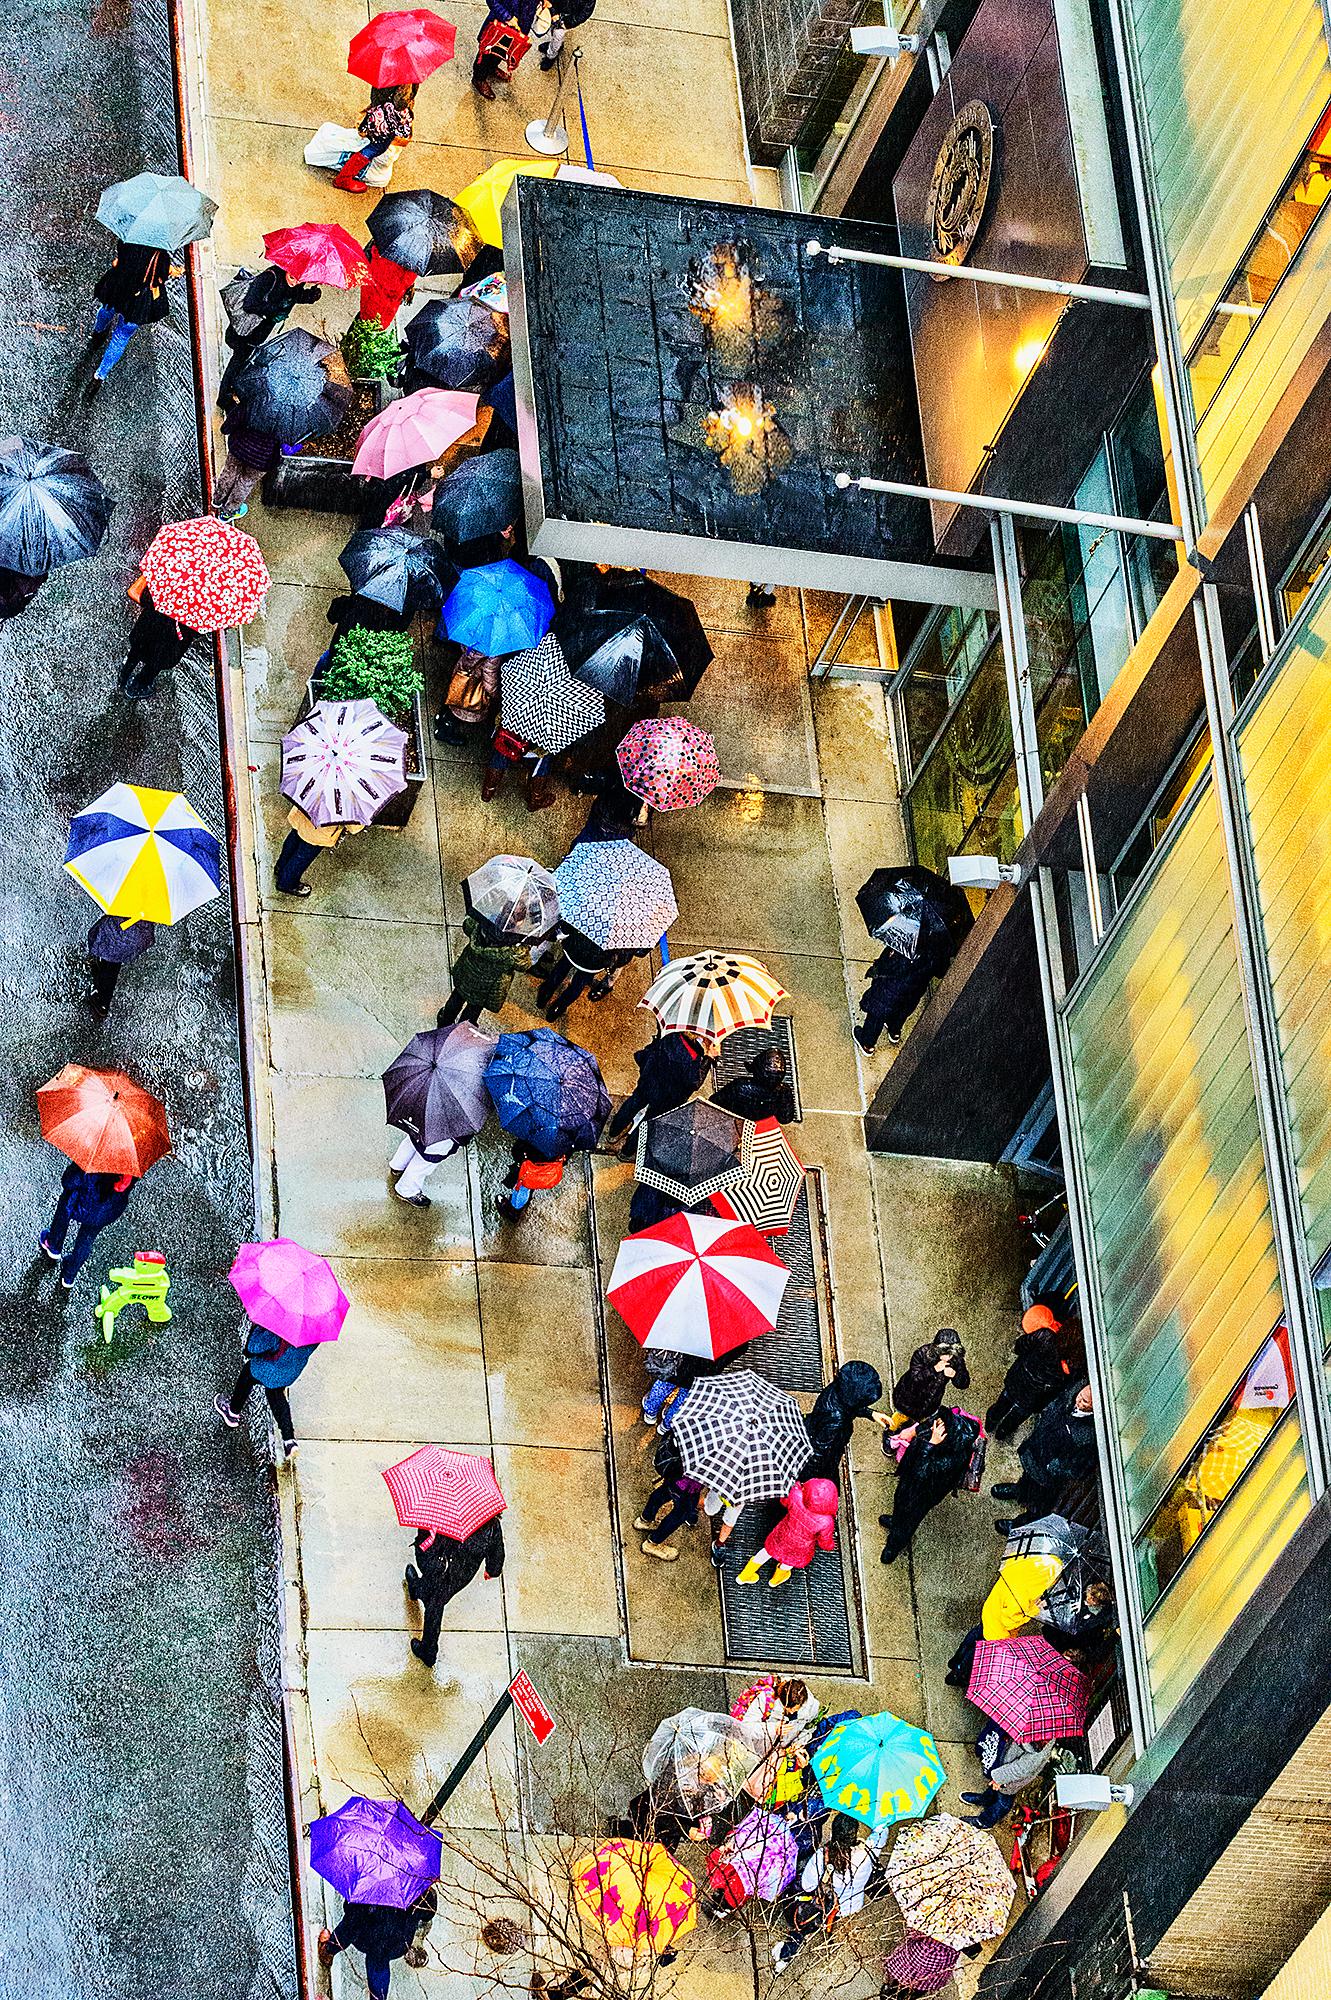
[159, 210]
[498, 608]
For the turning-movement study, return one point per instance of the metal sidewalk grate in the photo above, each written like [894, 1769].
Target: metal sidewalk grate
[738, 1051]
[791, 1355]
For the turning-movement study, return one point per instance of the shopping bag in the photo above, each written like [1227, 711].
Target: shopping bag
[333, 145]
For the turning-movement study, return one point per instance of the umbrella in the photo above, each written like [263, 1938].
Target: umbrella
[53, 507]
[548, 1092]
[739, 1432]
[144, 853]
[692, 1151]
[375, 1851]
[514, 895]
[458, 343]
[318, 253]
[483, 198]
[400, 47]
[502, 398]
[291, 1291]
[102, 1120]
[205, 573]
[1029, 1689]
[629, 636]
[294, 387]
[540, 701]
[498, 607]
[768, 1193]
[713, 993]
[435, 1089]
[1085, 1558]
[482, 496]
[160, 211]
[907, 909]
[616, 895]
[446, 1492]
[343, 763]
[763, 1852]
[877, 1768]
[412, 430]
[404, 571]
[705, 1758]
[669, 761]
[636, 1894]
[951, 1881]
[423, 232]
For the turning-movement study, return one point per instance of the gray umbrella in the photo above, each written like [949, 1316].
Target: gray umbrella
[53, 507]
[435, 1089]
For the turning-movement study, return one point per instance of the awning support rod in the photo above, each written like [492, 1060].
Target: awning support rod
[1035, 510]
[1106, 295]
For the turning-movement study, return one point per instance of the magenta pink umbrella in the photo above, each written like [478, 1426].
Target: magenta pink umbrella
[290, 1291]
[414, 430]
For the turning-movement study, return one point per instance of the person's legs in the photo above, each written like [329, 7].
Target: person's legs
[652, 1505]
[378, 1973]
[1007, 1414]
[679, 1516]
[959, 1666]
[432, 1602]
[245, 1384]
[416, 1173]
[281, 1409]
[402, 1158]
[122, 332]
[472, 1012]
[102, 322]
[52, 1239]
[294, 859]
[102, 977]
[233, 487]
[78, 1256]
[868, 1031]
[635, 1102]
[753, 1568]
[657, 1397]
[452, 1010]
[573, 988]
[551, 47]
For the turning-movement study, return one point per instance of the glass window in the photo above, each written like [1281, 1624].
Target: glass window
[954, 788]
[944, 660]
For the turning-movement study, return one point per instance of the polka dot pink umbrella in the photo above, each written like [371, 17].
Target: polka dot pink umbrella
[669, 761]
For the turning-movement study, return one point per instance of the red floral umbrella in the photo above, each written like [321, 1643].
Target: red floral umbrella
[317, 253]
[205, 573]
[401, 47]
[1029, 1689]
[669, 761]
[449, 1492]
[104, 1121]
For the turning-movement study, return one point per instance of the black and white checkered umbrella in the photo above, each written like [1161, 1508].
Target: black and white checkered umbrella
[540, 701]
[739, 1433]
[693, 1151]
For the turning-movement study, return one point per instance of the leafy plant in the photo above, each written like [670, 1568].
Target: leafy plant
[373, 353]
[374, 666]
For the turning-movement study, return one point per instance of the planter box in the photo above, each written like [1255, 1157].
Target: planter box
[319, 476]
[400, 808]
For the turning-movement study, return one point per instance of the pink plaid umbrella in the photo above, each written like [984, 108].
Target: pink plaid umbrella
[413, 430]
[1029, 1689]
[290, 1291]
[669, 761]
[449, 1492]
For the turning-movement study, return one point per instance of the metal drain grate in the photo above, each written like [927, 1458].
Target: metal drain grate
[806, 1623]
[791, 1355]
[738, 1051]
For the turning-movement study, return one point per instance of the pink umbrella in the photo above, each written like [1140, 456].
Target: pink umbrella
[449, 1492]
[289, 1291]
[414, 430]
[669, 761]
[763, 1854]
[1029, 1689]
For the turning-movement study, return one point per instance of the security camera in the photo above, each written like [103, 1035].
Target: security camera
[980, 871]
[1087, 1791]
[884, 41]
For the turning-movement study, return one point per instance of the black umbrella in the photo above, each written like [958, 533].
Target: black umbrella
[458, 344]
[295, 387]
[631, 637]
[424, 232]
[691, 1152]
[407, 572]
[910, 909]
[483, 496]
[501, 397]
[53, 507]
[1085, 1558]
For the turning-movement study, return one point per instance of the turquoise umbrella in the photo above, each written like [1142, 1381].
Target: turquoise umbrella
[878, 1769]
[160, 210]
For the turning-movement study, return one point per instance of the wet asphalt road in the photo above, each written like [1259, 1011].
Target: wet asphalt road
[142, 1844]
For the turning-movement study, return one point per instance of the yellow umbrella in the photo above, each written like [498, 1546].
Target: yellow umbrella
[482, 198]
[637, 1894]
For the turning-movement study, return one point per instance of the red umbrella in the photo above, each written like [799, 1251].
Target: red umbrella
[697, 1285]
[205, 573]
[401, 47]
[317, 253]
[1029, 1689]
[103, 1120]
[449, 1492]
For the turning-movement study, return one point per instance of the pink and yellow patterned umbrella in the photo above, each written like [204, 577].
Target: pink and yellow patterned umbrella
[669, 761]
[636, 1895]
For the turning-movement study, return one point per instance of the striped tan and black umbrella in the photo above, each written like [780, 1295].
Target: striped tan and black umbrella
[713, 993]
[769, 1191]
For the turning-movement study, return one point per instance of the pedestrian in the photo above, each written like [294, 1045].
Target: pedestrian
[250, 453]
[509, 753]
[615, 812]
[1014, 1602]
[1059, 1451]
[91, 1201]
[1010, 1766]
[482, 973]
[386, 287]
[936, 1462]
[473, 690]
[271, 1364]
[676, 1488]
[383, 1934]
[672, 1068]
[580, 966]
[386, 126]
[257, 305]
[564, 16]
[531, 1172]
[782, 1710]
[17, 591]
[918, 1964]
[1046, 1356]
[156, 644]
[835, 1880]
[111, 944]
[442, 1568]
[893, 990]
[851, 1393]
[762, 1092]
[723, 1513]
[413, 1166]
[130, 294]
[302, 844]
[809, 1524]
[936, 1367]
[507, 32]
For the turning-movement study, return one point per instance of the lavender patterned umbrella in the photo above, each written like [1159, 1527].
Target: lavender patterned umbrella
[343, 763]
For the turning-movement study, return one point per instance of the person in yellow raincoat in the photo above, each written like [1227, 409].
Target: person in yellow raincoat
[1013, 1603]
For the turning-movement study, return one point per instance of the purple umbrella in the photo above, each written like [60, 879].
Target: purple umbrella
[435, 1089]
[762, 1853]
[375, 1851]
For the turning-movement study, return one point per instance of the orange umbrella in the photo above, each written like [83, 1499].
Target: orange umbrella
[103, 1120]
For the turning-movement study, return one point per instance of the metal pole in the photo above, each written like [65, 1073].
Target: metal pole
[1107, 295]
[545, 135]
[468, 1758]
[1036, 510]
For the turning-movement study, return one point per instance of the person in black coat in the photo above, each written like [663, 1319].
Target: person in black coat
[763, 1092]
[90, 1200]
[851, 1393]
[156, 644]
[896, 985]
[935, 1368]
[1046, 1357]
[266, 304]
[671, 1069]
[446, 1567]
[1060, 1450]
[131, 294]
[935, 1463]
[383, 1934]
[112, 944]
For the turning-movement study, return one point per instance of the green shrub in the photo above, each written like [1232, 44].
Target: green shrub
[374, 666]
[373, 353]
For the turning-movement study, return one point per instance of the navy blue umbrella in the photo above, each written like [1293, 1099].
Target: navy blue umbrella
[53, 507]
[294, 387]
[424, 232]
[404, 571]
[482, 496]
[458, 344]
[548, 1092]
[502, 399]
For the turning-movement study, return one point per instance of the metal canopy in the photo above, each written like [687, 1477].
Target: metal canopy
[686, 387]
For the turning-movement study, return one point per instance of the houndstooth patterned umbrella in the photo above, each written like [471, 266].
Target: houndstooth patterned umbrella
[694, 1151]
[743, 1435]
[540, 701]
[769, 1190]
[615, 895]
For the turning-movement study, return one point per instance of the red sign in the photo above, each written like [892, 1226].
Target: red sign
[531, 1708]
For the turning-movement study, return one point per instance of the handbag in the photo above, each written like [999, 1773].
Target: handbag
[333, 145]
[505, 42]
[467, 692]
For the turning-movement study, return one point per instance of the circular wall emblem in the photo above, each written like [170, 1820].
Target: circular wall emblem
[959, 188]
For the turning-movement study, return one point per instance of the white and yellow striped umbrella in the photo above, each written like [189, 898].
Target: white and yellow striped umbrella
[144, 853]
[712, 994]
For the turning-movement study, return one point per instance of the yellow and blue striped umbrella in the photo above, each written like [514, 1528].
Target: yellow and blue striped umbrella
[878, 1769]
[144, 853]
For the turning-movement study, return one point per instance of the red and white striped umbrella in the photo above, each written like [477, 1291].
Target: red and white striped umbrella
[449, 1492]
[697, 1285]
[205, 574]
[343, 763]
